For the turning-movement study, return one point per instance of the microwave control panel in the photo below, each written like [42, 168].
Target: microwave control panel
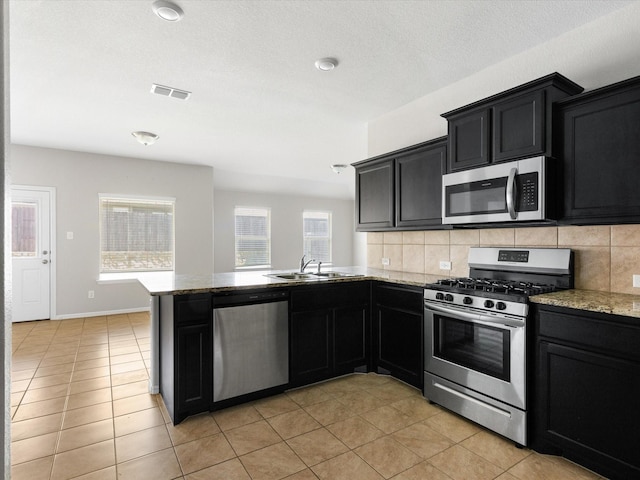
[527, 185]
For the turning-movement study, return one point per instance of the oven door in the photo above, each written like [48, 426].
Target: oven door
[481, 352]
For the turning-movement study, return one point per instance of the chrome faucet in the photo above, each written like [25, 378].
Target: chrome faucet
[304, 265]
[319, 263]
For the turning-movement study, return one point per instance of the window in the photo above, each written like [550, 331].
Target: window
[136, 234]
[253, 237]
[316, 235]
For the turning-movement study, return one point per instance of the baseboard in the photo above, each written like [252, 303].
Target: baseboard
[100, 314]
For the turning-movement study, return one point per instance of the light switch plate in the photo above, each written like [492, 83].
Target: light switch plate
[445, 265]
[69, 235]
[385, 261]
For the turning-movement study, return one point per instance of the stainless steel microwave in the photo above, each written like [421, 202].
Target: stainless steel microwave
[504, 192]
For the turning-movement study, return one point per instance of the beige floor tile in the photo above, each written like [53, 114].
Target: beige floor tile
[538, 466]
[229, 470]
[330, 411]
[462, 464]
[388, 456]
[85, 435]
[204, 453]
[161, 465]
[90, 373]
[272, 463]
[423, 471]
[142, 443]
[123, 350]
[36, 426]
[308, 395]
[23, 374]
[57, 360]
[127, 367]
[452, 426]
[137, 421]
[39, 469]
[46, 393]
[89, 385]
[192, 428]
[126, 358]
[355, 431]
[369, 380]
[422, 440]
[82, 416]
[270, 407]
[306, 474]
[129, 377]
[39, 409]
[497, 450]
[109, 473]
[340, 386]
[83, 460]
[394, 391]
[387, 419]
[86, 399]
[417, 407]
[92, 353]
[51, 380]
[252, 437]
[235, 417]
[92, 363]
[34, 447]
[136, 403]
[317, 446]
[292, 424]
[348, 466]
[54, 370]
[130, 389]
[361, 401]
[20, 385]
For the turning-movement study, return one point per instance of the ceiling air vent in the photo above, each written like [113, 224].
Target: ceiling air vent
[170, 92]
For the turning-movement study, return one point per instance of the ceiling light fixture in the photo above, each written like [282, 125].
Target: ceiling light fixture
[145, 138]
[338, 168]
[170, 92]
[167, 11]
[326, 64]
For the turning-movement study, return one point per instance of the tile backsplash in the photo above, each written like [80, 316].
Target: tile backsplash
[606, 257]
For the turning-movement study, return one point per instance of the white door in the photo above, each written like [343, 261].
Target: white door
[31, 254]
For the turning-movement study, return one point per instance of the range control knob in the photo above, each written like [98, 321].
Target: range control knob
[448, 297]
[500, 306]
[467, 300]
[488, 303]
[439, 296]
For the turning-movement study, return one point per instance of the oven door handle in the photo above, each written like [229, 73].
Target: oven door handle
[474, 317]
[511, 193]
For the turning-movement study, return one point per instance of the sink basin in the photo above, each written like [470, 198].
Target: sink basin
[336, 274]
[292, 276]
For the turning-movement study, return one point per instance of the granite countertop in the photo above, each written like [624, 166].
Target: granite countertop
[593, 301]
[217, 282]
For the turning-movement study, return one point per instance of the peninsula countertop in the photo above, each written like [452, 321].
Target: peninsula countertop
[216, 282]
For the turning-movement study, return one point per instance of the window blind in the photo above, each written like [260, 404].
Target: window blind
[136, 234]
[252, 236]
[317, 235]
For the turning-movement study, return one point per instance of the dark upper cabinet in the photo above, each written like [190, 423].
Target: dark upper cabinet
[418, 175]
[401, 189]
[514, 124]
[587, 377]
[601, 155]
[374, 191]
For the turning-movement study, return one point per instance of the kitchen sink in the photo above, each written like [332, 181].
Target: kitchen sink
[335, 274]
[292, 276]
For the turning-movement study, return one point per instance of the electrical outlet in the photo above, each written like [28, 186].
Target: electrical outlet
[636, 280]
[385, 261]
[91, 294]
[445, 265]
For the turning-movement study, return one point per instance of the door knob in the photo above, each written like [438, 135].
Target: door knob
[45, 261]
[44, 252]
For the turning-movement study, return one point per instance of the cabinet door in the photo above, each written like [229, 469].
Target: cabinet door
[469, 137]
[350, 339]
[419, 187]
[519, 127]
[601, 158]
[588, 408]
[193, 369]
[399, 344]
[310, 348]
[374, 196]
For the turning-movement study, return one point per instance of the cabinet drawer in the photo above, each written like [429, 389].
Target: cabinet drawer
[603, 333]
[341, 294]
[402, 298]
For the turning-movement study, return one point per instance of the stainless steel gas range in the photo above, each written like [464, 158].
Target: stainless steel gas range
[476, 334]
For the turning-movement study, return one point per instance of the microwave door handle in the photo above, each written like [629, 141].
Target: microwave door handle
[511, 193]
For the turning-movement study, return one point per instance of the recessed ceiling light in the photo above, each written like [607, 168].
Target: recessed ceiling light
[326, 64]
[145, 138]
[167, 11]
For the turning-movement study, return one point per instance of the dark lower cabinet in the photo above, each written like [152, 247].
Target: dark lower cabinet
[398, 332]
[330, 331]
[586, 387]
[601, 155]
[186, 354]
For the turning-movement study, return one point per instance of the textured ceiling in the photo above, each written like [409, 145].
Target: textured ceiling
[81, 72]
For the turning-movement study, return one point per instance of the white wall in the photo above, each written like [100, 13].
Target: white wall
[594, 55]
[78, 179]
[286, 226]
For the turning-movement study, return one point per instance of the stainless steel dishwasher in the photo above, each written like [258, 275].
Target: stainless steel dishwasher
[250, 343]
